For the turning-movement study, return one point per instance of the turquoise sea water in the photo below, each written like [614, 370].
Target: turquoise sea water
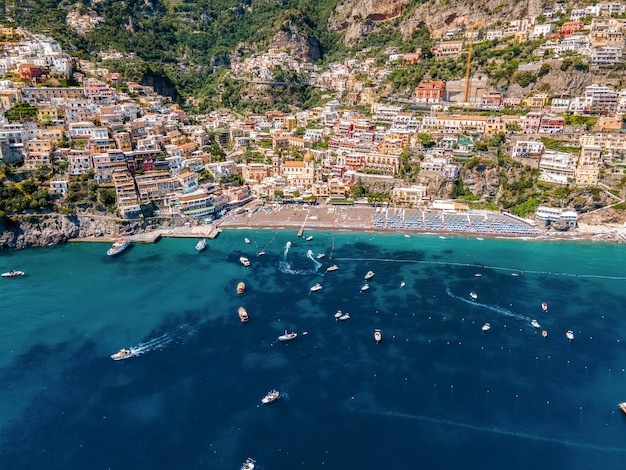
[437, 392]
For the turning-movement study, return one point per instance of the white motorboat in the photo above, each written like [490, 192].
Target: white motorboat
[334, 267]
[309, 253]
[402, 284]
[338, 314]
[478, 275]
[260, 253]
[248, 464]
[244, 261]
[369, 275]
[345, 316]
[119, 246]
[569, 334]
[309, 238]
[270, 397]
[122, 354]
[316, 287]
[365, 287]
[241, 287]
[486, 327]
[320, 255]
[287, 336]
[243, 315]
[247, 240]
[201, 245]
[473, 295]
[544, 306]
[535, 323]
[13, 273]
[288, 245]
[378, 335]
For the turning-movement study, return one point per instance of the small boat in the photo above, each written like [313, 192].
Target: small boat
[338, 314]
[486, 327]
[569, 334]
[119, 246]
[321, 255]
[365, 287]
[201, 245]
[309, 238]
[287, 336]
[345, 316]
[378, 335]
[316, 287]
[270, 397]
[622, 406]
[245, 261]
[514, 274]
[544, 333]
[260, 253]
[402, 284]
[309, 253]
[248, 464]
[473, 295]
[479, 238]
[544, 306]
[243, 315]
[241, 287]
[369, 275]
[13, 273]
[122, 354]
[535, 323]
[247, 240]
[478, 275]
[334, 267]
[288, 245]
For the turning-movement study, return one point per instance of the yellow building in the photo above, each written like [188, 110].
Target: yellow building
[588, 168]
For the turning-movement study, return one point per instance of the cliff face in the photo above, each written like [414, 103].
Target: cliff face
[44, 230]
[306, 48]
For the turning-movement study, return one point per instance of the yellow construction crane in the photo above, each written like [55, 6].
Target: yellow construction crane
[469, 59]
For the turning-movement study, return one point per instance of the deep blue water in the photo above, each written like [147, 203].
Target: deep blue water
[437, 392]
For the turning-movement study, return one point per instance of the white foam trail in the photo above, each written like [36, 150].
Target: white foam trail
[162, 341]
[285, 266]
[317, 263]
[493, 308]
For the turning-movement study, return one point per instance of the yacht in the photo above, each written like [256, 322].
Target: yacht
[241, 287]
[369, 275]
[309, 238]
[247, 240]
[365, 287]
[535, 323]
[378, 335]
[122, 354]
[316, 287]
[321, 255]
[402, 284]
[473, 295]
[544, 306]
[245, 261]
[248, 464]
[622, 406]
[569, 334]
[119, 246]
[486, 327]
[201, 245]
[13, 273]
[338, 314]
[270, 397]
[345, 316]
[334, 267]
[287, 336]
[243, 315]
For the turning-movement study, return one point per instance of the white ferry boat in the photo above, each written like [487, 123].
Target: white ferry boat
[119, 246]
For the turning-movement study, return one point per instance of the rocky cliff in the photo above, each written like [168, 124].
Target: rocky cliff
[43, 230]
[306, 48]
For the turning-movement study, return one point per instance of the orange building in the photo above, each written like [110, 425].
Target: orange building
[430, 91]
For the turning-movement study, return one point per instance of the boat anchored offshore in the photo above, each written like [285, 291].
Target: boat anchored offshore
[569, 334]
[243, 315]
[287, 336]
[544, 306]
[402, 284]
[270, 397]
[309, 238]
[365, 287]
[201, 245]
[378, 335]
[241, 287]
[334, 267]
[247, 240]
[344, 317]
[535, 323]
[338, 314]
[119, 246]
[320, 255]
[244, 261]
[369, 275]
[486, 327]
[316, 287]
[248, 464]
[122, 354]
[622, 406]
[473, 295]
[13, 273]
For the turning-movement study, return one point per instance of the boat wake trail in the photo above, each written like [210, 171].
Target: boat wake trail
[286, 267]
[494, 308]
[160, 342]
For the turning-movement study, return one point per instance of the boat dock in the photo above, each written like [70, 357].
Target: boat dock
[197, 231]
